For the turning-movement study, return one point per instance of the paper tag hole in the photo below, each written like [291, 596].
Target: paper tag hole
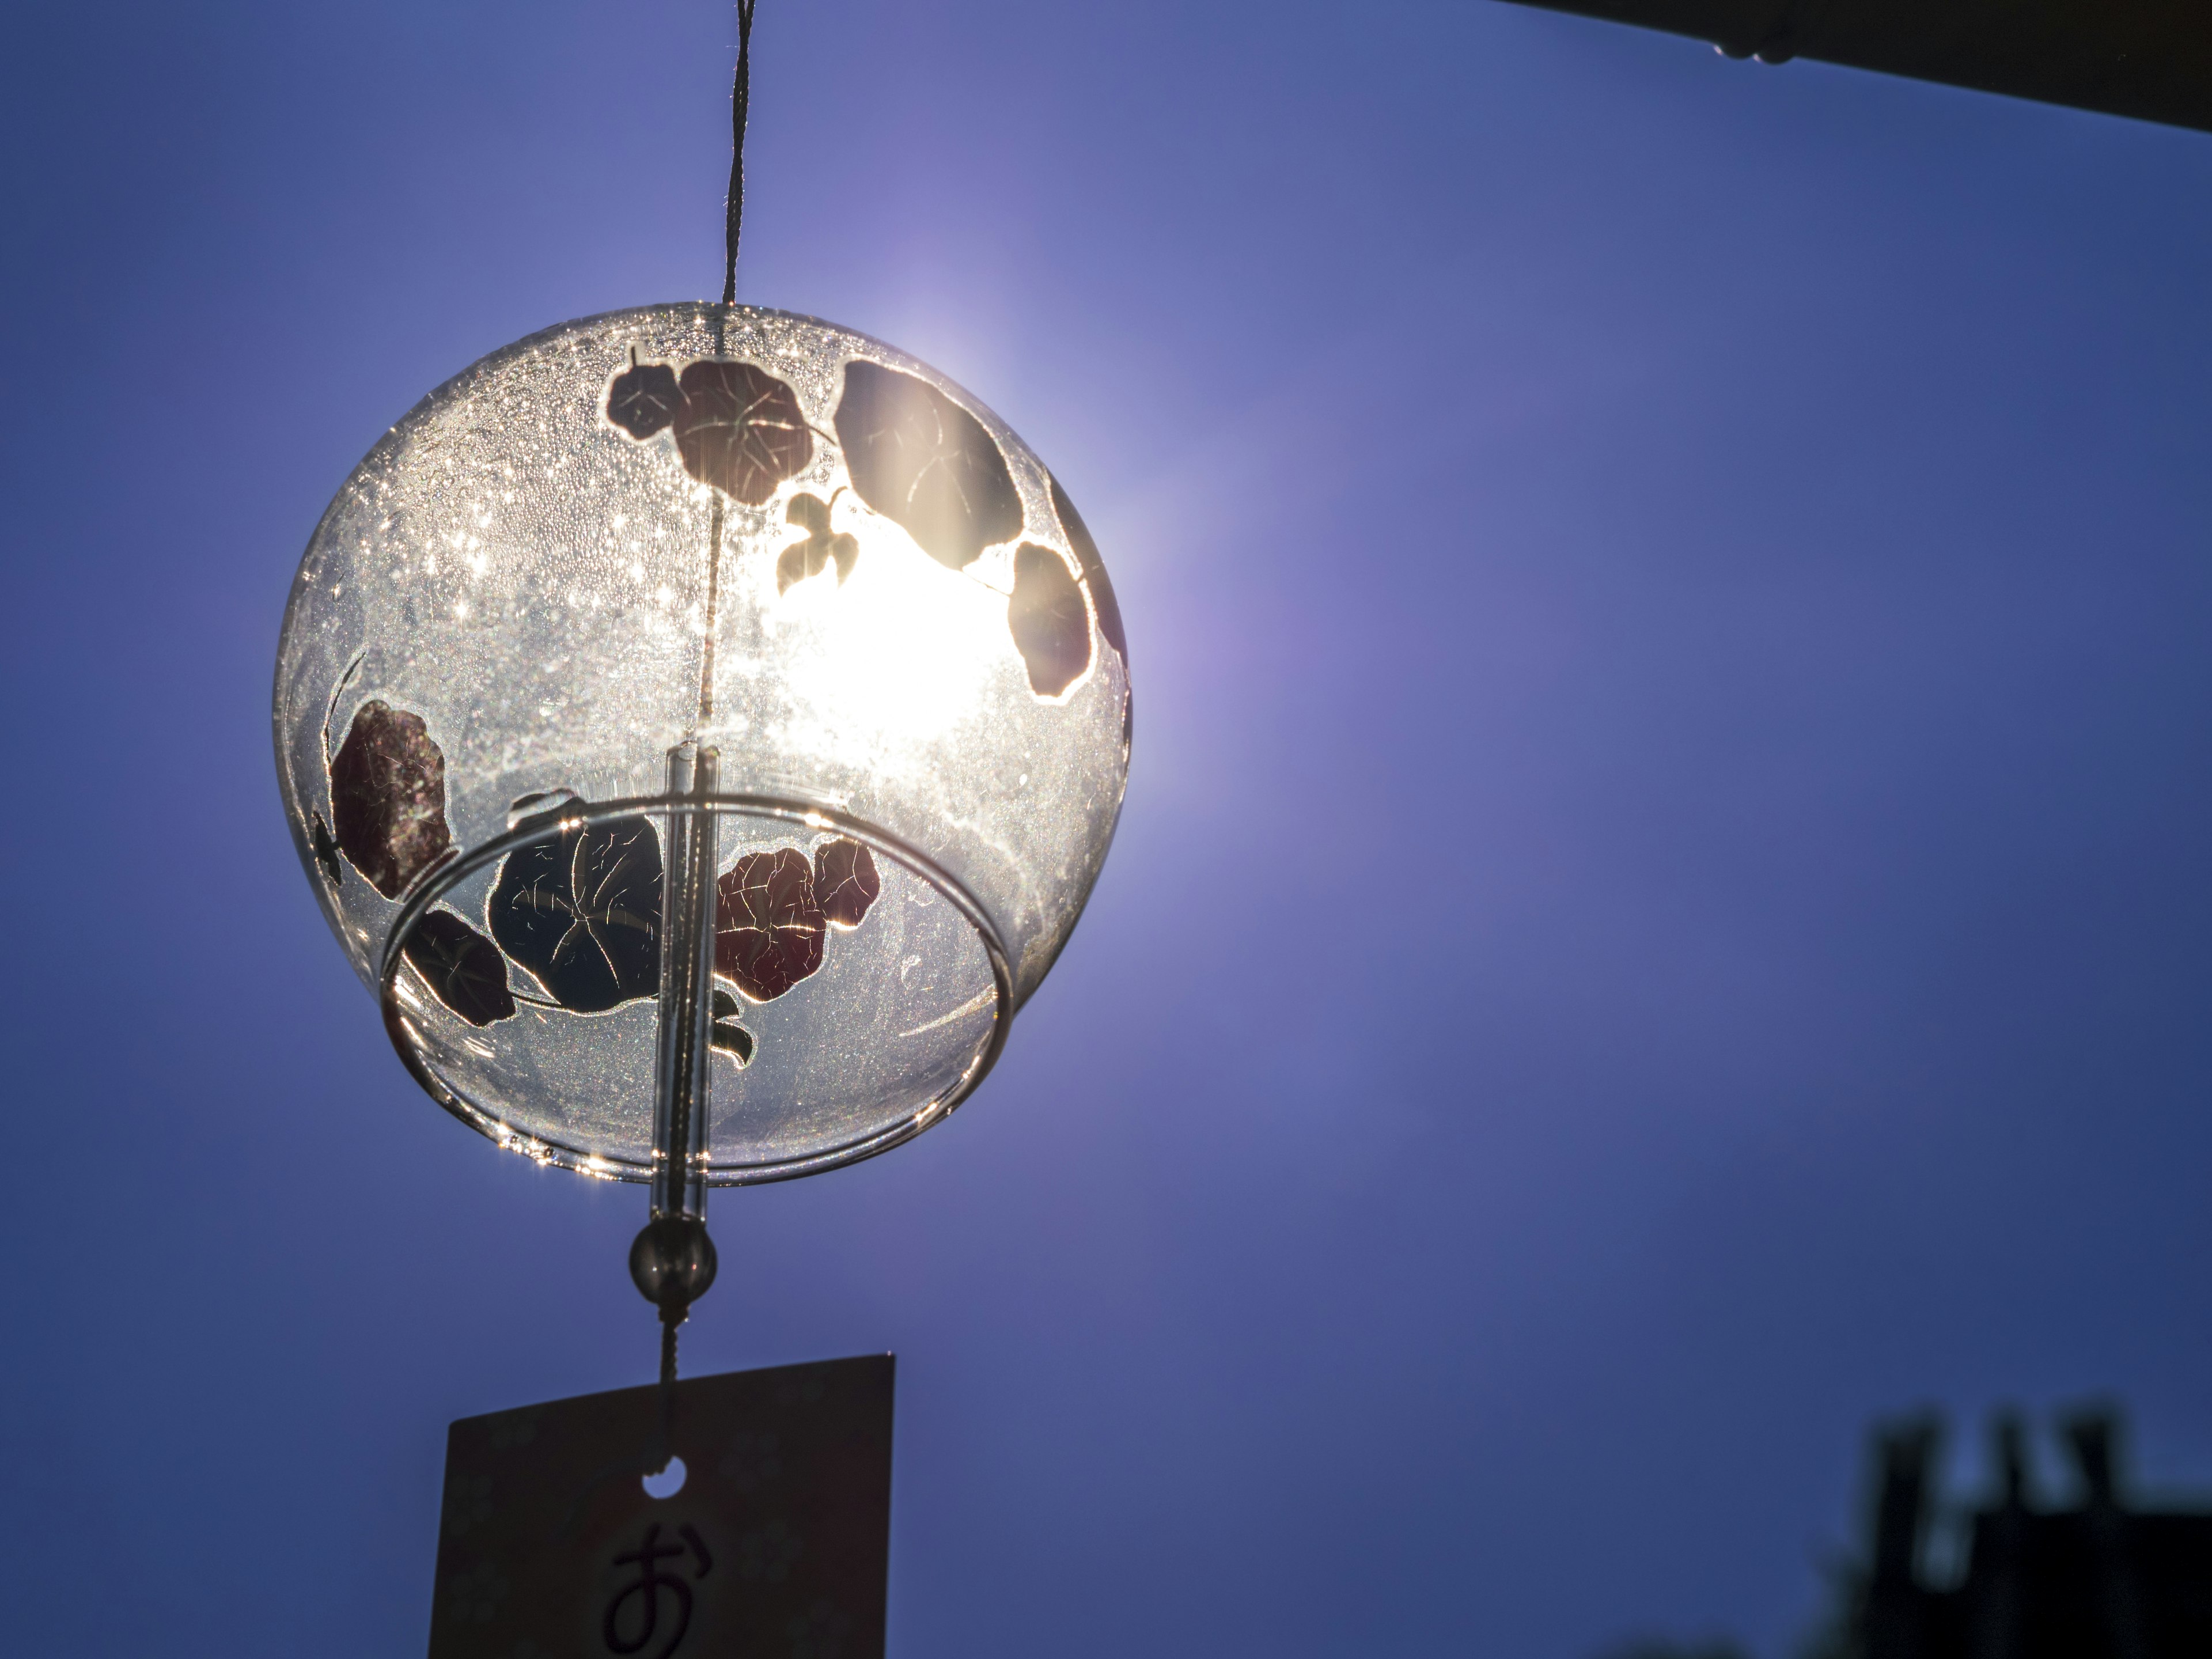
[668, 1482]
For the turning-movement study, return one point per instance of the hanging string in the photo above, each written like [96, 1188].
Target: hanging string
[662, 1449]
[740, 97]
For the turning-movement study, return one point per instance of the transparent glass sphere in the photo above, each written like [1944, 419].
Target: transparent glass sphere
[707, 612]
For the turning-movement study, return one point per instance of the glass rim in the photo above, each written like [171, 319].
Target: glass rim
[434, 884]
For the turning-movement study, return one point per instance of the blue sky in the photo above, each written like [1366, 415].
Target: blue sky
[1662, 911]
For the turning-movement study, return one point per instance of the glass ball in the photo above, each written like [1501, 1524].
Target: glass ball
[712, 589]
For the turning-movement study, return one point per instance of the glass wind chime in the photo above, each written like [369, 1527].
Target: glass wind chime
[702, 725]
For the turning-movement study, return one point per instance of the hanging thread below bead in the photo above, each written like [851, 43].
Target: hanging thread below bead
[663, 1447]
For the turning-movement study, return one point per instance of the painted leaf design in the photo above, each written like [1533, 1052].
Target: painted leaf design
[740, 430]
[767, 926]
[532, 905]
[814, 554]
[845, 881]
[1103, 602]
[325, 847]
[644, 398]
[1094, 571]
[925, 462]
[725, 1034]
[580, 911]
[811, 512]
[388, 798]
[463, 969]
[1050, 623]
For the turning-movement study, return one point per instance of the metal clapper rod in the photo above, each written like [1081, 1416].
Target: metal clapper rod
[672, 1259]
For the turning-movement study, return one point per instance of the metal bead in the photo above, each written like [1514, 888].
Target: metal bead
[671, 1262]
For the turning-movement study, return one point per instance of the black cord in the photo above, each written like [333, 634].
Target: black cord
[740, 98]
[661, 1450]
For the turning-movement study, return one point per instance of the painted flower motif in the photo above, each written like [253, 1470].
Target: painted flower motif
[739, 429]
[913, 455]
[1103, 604]
[1094, 570]
[820, 549]
[388, 798]
[644, 398]
[580, 911]
[773, 908]
[737, 426]
[1050, 622]
[926, 463]
[463, 969]
[324, 845]
[845, 883]
[768, 924]
[724, 1035]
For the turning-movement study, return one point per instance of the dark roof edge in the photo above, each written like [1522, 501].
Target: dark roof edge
[2147, 59]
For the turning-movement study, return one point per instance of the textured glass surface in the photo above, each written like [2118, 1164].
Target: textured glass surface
[769, 537]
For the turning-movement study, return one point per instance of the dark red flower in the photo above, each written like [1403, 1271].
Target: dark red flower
[845, 881]
[1050, 623]
[924, 461]
[740, 430]
[463, 969]
[1094, 570]
[767, 926]
[815, 554]
[644, 398]
[388, 798]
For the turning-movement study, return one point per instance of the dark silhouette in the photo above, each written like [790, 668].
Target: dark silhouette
[924, 461]
[388, 797]
[2098, 1579]
[2151, 59]
[737, 426]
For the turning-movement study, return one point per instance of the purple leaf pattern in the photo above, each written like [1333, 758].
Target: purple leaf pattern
[463, 969]
[388, 798]
[925, 462]
[768, 927]
[737, 427]
[1050, 623]
[819, 550]
[845, 882]
[581, 912]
